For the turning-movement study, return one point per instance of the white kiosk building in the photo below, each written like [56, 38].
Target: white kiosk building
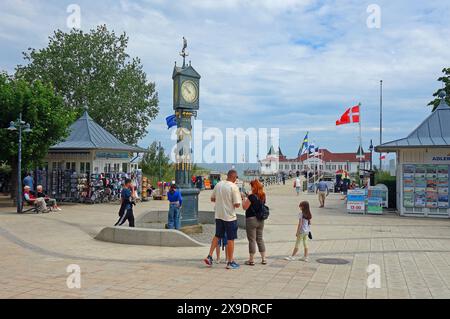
[89, 148]
[423, 165]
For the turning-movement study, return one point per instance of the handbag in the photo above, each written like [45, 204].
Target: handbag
[310, 236]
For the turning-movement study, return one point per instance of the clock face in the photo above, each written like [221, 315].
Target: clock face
[189, 91]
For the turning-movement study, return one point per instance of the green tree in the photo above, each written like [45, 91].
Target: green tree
[42, 109]
[198, 170]
[92, 69]
[445, 79]
[153, 160]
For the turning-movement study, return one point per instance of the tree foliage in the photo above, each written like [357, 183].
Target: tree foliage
[150, 164]
[42, 109]
[92, 69]
[445, 79]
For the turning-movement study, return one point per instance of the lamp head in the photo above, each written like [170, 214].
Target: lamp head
[12, 126]
[28, 128]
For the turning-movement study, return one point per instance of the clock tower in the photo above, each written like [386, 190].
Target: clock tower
[186, 88]
[186, 103]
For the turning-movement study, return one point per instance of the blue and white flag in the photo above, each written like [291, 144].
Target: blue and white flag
[304, 147]
[313, 149]
[171, 121]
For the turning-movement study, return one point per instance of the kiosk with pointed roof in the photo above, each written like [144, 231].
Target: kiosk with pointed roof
[270, 165]
[89, 148]
[423, 166]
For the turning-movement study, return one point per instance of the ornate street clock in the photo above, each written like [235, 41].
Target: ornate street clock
[186, 87]
[186, 102]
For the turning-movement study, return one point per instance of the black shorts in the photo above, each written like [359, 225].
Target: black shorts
[228, 228]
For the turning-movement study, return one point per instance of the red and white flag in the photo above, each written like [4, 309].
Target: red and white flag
[350, 116]
[383, 156]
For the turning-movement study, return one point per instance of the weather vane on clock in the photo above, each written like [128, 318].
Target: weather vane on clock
[183, 53]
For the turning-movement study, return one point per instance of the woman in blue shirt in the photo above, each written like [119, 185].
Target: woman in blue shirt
[175, 202]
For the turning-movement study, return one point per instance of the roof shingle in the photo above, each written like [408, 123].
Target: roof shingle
[86, 134]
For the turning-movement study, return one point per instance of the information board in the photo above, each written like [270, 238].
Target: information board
[425, 186]
[374, 205]
[380, 191]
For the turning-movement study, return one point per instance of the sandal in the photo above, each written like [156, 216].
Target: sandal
[264, 262]
[250, 263]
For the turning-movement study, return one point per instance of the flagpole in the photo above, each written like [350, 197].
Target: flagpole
[315, 164]
[360, 129]
[318, 164]
[381, 118]
[360, 144]
[320, 161]
[307, 167]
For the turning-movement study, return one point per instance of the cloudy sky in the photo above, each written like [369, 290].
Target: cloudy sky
[295, 65]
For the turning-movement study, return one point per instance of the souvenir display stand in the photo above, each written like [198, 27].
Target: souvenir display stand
[69, 186]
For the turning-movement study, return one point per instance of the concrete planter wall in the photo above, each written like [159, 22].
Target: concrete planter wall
[146, 236]
[157, 237]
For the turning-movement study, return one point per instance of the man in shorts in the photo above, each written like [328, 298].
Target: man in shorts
[227, 199]
[323, 191]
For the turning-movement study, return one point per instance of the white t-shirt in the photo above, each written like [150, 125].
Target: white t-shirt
[226, 195]
[306, 228]
[297, 182]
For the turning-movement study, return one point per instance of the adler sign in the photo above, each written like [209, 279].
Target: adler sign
[441, 158]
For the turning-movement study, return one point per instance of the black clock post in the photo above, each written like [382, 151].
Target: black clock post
[186, 102]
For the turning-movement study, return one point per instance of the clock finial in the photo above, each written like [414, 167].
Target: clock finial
[183, 53]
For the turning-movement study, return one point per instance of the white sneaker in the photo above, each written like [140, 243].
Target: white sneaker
[217, 261]
[305, 259]
[59, 209]
[290, 258]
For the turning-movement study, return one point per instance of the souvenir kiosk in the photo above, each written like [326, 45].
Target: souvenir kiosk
[423, 163]
[90, 165]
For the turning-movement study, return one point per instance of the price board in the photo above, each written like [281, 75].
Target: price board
[356, 201]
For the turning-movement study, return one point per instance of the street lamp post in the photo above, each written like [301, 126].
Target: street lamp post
[159, 161]
[25, 127]
[372, 173]
[371, 152]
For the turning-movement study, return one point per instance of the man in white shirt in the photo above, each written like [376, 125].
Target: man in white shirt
[227, 198]
[297, 185]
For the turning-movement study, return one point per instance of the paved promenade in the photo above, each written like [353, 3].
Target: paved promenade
[413, 255]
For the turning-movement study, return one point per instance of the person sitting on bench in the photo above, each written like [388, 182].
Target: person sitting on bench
[31, 199]
[49, 201]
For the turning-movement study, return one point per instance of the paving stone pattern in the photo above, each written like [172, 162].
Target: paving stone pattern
[413, 255]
